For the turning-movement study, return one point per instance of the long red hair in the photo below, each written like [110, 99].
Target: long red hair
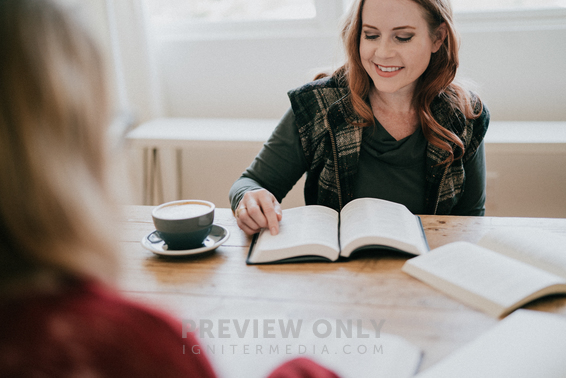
[437, 80]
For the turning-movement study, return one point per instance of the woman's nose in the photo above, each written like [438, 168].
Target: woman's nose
[385, 49]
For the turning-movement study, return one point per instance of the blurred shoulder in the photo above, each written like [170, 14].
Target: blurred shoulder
[115, 336]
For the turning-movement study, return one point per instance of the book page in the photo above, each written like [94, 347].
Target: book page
[479, 277]
[301, 229]
[539, 248]
[525, 344]
[366, 219]
[255, 355]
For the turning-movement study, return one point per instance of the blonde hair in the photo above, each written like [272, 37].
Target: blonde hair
[437, 80]
[54, 202]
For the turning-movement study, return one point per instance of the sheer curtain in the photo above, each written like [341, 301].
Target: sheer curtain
[121, 30]
[137, 86]
[137, 93]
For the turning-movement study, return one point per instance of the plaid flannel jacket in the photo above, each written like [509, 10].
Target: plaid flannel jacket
[331, 143]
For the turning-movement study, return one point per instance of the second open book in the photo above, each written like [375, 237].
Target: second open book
[318, 232]
[505, 270]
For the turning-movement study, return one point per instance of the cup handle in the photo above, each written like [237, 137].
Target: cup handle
[154, 237]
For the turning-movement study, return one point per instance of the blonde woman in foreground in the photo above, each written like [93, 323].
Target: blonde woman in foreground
[59, 315]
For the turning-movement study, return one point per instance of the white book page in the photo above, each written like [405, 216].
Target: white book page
[300, 226]
[256, 356]
[539, 248]
[370, 217]
[526, 344]
[479, 277]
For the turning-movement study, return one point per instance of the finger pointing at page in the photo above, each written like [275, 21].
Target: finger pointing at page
[259, 209]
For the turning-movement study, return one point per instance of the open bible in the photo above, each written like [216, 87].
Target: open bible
[320, 233]
[505, 270]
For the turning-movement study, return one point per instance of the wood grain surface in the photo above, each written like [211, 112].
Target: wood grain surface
[219, 285]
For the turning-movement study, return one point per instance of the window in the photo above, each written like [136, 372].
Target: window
[204, 19]
[231, 10]
[253, 10]
[210, 19]
[489, 5]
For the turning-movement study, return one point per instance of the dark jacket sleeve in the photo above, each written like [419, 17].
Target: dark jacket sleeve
[277, 167]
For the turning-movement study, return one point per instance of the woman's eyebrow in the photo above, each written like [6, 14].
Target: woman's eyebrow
[369, 26]
[404, 27]
[395, 28]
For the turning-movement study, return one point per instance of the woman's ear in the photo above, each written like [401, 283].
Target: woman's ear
[441, 33]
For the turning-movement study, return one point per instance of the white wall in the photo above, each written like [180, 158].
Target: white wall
[517, 64]
[517, 61]
[521, 75]
[243, 79]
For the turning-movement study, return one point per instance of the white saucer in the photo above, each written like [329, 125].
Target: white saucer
[217, 236]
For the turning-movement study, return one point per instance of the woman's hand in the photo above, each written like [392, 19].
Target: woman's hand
[259, 209]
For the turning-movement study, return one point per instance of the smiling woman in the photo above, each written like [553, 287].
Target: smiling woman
[391, 123]
[395, 49]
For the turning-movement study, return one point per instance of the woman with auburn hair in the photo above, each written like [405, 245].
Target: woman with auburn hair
[60, 317]
[391, 123]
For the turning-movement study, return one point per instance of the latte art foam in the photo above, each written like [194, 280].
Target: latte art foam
[182, 211]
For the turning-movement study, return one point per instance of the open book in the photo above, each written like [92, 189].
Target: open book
[525, 344]
[318, 232]
[505, 270]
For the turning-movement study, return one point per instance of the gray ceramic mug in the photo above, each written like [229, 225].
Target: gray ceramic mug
[183, 224]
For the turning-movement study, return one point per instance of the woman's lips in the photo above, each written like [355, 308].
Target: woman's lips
[387, 71]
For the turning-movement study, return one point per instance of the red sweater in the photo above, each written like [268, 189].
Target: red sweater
[90, 330]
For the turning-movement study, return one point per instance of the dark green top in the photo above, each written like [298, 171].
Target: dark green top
[392, 169]
[389, 169]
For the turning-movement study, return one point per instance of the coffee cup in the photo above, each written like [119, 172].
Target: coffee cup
[183, 224]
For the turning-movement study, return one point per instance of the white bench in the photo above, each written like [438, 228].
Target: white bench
[162, 145]
[201, 158]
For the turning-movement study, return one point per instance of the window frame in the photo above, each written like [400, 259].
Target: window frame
[511, 20]
[329, 14]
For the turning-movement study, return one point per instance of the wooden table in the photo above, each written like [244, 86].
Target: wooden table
[219, 284]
